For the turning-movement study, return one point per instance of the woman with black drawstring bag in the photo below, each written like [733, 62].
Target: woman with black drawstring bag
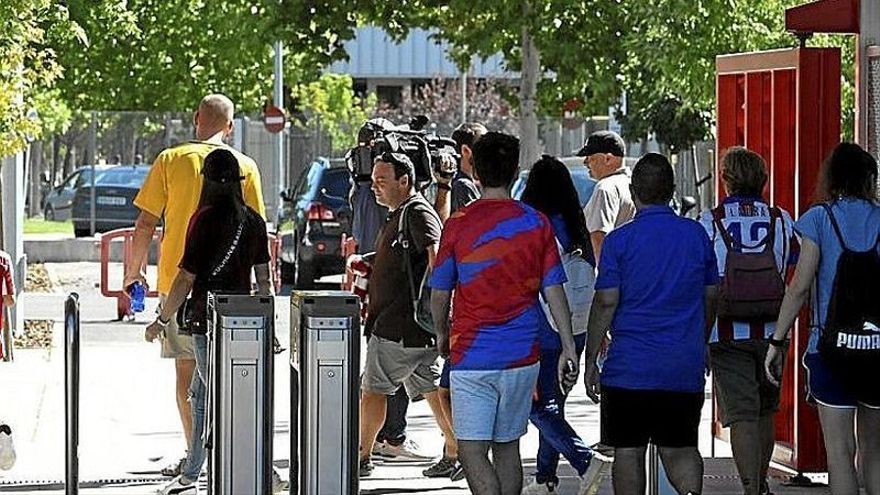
[839, 271]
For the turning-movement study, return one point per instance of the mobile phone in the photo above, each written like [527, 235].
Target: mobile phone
[570, 369]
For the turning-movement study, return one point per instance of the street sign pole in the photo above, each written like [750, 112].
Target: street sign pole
[279, 137]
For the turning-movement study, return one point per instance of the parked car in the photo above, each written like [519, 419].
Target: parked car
[579, 175]
[59, 200]
[315, 215]
[115, 191]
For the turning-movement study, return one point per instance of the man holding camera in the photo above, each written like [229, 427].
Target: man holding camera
[458, 189]
[399, 352]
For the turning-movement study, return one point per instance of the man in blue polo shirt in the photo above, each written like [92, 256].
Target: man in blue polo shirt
[655, 291]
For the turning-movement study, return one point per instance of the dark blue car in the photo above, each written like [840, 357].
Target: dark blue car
[115, 190]
[316, 214]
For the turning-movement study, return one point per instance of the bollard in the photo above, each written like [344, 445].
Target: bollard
[658, 483]
[324, 366]
[239, 414]
[71, 393]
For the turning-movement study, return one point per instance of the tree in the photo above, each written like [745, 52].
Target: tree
[334, 108]
[669, 52]
[28, 66]
[165, 55]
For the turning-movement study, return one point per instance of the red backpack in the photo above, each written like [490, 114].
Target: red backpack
[753, 287]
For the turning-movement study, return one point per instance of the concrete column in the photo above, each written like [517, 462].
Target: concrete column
[867, 54]
[13, 179]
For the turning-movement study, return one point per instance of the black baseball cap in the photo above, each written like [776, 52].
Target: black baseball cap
[603, 142]
[221, 166]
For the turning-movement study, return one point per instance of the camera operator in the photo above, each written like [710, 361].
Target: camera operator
[456, 187]
[368, 217]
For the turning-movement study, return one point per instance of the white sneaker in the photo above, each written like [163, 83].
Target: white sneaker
[180, 486]
[595, 473]
[407, 451]
[535, 488]
[7, 448]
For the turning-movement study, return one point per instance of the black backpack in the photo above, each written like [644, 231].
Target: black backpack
[850, 339]
[420, 292]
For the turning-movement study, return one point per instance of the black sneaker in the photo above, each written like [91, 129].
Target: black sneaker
[365, 468]
[441, 469]
[458, 472]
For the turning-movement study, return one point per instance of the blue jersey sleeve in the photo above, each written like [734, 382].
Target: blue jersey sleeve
[609, 267]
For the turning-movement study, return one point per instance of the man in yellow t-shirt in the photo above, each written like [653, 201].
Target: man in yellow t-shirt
[171, 191]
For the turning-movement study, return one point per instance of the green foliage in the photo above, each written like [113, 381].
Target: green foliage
[334, 107]
[164, 55]
[28, 65]
[40, 226]
[54, 113]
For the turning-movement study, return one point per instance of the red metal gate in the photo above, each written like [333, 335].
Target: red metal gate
[785, 105]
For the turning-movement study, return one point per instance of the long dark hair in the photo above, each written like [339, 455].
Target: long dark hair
[551, 191]
[222, 185]
[849, 171]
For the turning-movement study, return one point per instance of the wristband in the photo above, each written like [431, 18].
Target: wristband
[163, 324]
[444, 187]
[781, 344]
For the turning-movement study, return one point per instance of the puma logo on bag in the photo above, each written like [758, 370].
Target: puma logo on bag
[850, 338]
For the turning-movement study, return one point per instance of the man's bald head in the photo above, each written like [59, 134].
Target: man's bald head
[214, 116]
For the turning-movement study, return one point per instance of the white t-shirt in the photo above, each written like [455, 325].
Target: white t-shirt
[611, 204]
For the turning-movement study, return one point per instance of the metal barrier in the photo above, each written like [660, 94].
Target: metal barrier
[71, 393]
[324, 390]
[239, 415]
[127, 235]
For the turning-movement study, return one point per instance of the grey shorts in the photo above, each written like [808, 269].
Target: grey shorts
[175, 345]
[390, 365]
[743, 391]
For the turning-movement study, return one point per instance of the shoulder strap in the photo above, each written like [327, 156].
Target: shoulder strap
[835, 225]
[729, 243]
[770, 240]
[229, 252]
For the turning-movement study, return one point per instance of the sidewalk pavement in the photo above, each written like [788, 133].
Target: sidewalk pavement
[130, 428]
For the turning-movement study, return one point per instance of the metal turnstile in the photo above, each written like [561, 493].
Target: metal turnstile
[239, 418]
[325, 387]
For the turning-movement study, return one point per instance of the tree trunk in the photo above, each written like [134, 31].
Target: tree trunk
[531, 73]
[56, 155]
[69, 160]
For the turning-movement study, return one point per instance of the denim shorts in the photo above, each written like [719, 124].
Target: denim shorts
[492, 405]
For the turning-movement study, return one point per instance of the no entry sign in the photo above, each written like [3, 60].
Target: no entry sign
[274, 119]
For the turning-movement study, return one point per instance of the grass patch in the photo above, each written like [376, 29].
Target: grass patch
[40, 226]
